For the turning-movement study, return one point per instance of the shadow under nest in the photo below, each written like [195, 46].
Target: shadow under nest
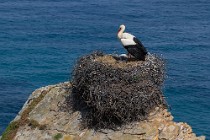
[110, 93]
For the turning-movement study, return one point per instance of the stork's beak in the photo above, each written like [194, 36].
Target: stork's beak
[119, 30]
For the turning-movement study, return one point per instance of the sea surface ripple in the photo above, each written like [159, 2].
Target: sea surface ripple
[40, 42]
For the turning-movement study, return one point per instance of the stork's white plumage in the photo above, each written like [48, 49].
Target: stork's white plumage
[132, 44]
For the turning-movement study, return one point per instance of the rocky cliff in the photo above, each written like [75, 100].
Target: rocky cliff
[48, 115]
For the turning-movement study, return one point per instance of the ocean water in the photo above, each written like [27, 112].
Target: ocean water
[41, 40]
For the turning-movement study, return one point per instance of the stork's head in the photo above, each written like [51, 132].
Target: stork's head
[120, 31]
[121, 28]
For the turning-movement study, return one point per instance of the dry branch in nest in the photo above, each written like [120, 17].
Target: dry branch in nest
[110, 93]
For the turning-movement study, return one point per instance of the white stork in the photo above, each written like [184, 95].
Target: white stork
[132, 44]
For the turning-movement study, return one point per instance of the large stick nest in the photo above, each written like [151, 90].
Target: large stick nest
[110, 93]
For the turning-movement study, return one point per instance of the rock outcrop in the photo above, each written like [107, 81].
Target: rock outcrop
[49, 112]
[49, 121]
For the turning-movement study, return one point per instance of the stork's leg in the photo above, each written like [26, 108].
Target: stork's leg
[128, 54]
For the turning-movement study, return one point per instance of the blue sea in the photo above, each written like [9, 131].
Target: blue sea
[41, 40]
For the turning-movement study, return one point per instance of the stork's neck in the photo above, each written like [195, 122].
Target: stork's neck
[120, 32]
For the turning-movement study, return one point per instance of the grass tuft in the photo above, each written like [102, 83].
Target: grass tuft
[58, 136]
[12, 128]
[10, 131]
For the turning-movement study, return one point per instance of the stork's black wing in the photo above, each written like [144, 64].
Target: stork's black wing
[138, 50]
[140, 45]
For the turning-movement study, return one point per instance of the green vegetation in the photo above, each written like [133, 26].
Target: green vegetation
[11, 130]
[58, 136]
